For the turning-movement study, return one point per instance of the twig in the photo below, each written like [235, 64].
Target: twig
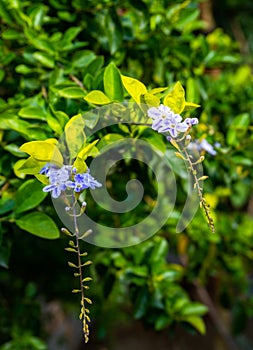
[205, 298]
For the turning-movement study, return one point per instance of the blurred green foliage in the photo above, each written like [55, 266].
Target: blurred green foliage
[53, 53]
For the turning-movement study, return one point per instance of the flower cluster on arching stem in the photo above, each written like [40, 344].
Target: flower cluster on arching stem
[172, 125]
[61, 179]
[167, 122]
[66, 177]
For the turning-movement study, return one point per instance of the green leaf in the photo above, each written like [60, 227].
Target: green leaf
[242, 160]
[72, 92]
[97, 97]
[68, 36]
[94, 67]
[108, 139]
[14, 149]
[2, 75]
[192, 90]
[54, 123]
[141, 303]
[11, 34]
[241, 121]
[160, 251]
[238, 129]
[23, 69]
[83, 58]
[39, 42]
[6, 205]
[157, 140]
[168, 275]
[39, 224]
[162, 322]
[134, 87]
[197, 323]
[45, 59]
[27, 130]
[37, 15]
[32, 113]
[175, 99]
[194, 308]
[61, 117]
[88, 81]
[29, 195]
[114, 30]
[112, 83]
[140, 271]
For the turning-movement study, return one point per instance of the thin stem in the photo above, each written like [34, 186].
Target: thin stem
[203, 203]
[83, 312]
[143, 124]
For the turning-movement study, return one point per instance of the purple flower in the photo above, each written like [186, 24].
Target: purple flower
[202, 145]
[83, 181]
[158, 115]
[46, 169]
[207, 147]
[57, 180]
[60, 179]
[191, 121]
[166, 121]
[173, 125]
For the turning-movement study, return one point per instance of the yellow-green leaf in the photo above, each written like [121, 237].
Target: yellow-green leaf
[190, 105]
[151, 100]
[44, 151]
[134, 87]
[97, 98]
[86, 150]
[176, 98]
[80, 165]
[196, 322]
[158, 90]
[74, 135]
[16, 168]
[29, 166]
[42, 178]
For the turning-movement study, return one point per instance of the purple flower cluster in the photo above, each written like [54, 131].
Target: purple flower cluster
[166, 121]
[83, 181]
[60, 179]
[203, 145]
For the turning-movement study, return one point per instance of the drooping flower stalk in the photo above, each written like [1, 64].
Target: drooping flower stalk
[66, 182]
[177, 130]
[76, 248]
[202, 201]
